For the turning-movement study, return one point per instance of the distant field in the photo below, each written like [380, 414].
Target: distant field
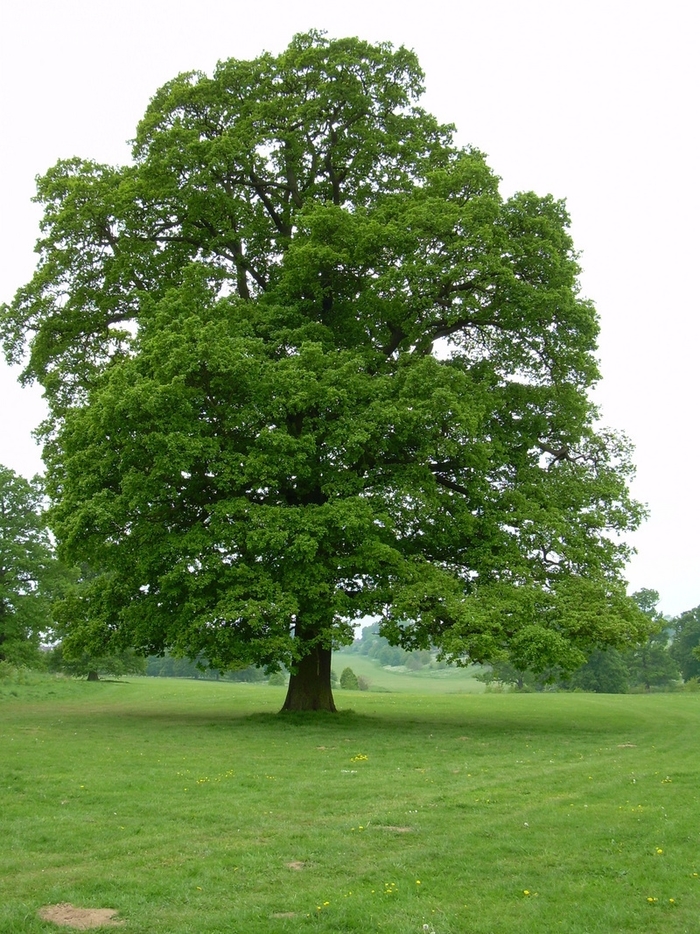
[426, 681]
[192, 808]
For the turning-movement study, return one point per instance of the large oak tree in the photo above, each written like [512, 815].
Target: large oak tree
[306, 364]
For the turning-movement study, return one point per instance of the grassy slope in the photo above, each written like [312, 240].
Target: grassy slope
[183, 803]
[426, 681]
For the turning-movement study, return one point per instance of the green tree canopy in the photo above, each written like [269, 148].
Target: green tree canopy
[685, 648]
[306, 365]
[348, 680]
[28, 569]
[92, 666]
[605, 672]
[651, 664]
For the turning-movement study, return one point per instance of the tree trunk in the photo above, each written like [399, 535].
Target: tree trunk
[310, 687]
[93, 676]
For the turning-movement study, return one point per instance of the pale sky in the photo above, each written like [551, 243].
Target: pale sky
[595, 102]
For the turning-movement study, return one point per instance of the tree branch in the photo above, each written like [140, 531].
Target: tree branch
[451, 485]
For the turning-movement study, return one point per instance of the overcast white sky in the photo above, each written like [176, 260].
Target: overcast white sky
[593, 101]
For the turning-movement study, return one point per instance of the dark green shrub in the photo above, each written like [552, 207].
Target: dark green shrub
[348, 680]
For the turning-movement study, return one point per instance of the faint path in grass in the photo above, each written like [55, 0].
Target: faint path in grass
[186, 804]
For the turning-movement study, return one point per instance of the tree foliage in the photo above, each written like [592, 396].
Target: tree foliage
[91, 666]
[168, 666]
[348, 680]
[376, 646]
[605, 672]
[686, 643]
[28, 569]
[648, 665]
[306, 364]
[652, 664]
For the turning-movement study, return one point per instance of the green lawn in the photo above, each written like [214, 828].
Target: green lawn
[192, 807]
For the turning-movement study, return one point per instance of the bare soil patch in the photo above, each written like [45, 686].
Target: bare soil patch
[81, 919]
[296, 865]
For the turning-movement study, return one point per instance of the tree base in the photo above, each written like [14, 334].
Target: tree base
[310, 686]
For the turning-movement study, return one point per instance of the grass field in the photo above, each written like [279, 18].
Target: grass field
[192, 807]
[450, 680]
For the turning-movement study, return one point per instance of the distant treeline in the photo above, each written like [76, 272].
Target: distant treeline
[167, 666]
[377, 647]
[670, 659]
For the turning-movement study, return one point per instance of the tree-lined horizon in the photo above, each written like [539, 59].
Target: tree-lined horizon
[306, 365]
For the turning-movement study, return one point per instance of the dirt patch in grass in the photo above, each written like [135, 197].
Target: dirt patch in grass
[81, 919]
[296, 864]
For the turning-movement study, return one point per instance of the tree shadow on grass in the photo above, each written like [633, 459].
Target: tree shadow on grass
[479, 724]
[477, 727]
[308, 718]
[104, 681]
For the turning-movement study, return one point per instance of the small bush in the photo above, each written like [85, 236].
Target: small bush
[348, 680]
[7, 671]
[15, 674]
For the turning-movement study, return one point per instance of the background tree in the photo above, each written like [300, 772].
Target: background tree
[605, 672]
[91, 666]
[307, 365]
[168, 666]
[348, 680]
[375, 646]
[500, 672]
[648, 665]
[28, 570]
[651, 664]
[685, 648]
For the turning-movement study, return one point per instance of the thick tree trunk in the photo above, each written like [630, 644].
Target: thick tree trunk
[310, 687]
[93, 676]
